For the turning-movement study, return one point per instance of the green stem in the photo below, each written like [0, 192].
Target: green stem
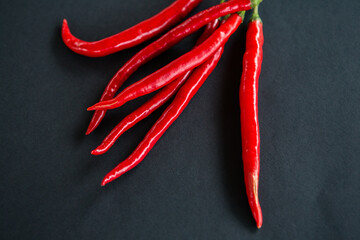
[255, 3]
[256, 10]
[255, 15]
[241, 14]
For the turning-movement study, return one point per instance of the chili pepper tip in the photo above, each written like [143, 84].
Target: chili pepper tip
[88, 131]
[256, 212]
[97, 151]
[102, 105]
[259, 222]
[105, 181]
[92, 108]
[111, 176]
[65, 27]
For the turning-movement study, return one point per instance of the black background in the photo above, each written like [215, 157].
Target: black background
[191, 185]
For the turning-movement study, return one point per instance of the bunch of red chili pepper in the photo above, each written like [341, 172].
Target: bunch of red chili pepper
[181, 78]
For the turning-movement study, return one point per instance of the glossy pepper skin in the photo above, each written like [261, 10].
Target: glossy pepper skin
[165, 42]
[250, 134]
[172, 112]
[131, 36]
[181, 100]
[173, 70]
[139, 114]
[154, 103]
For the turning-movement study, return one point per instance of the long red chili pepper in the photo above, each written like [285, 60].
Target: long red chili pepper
[131, 36]
[139, 114]
[162, 44]
[173, 111]
[167, 118]
[249, 112]
[165, 75]
[150, 106]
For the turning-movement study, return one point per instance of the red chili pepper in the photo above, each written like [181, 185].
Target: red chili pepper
[139, 114]
[173, 111]
[131, 36]
[173, 70]
[167, 118]
[154, 103]
[162, 44]
[250, 134]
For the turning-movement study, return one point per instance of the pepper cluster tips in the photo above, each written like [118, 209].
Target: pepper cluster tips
[180, 79]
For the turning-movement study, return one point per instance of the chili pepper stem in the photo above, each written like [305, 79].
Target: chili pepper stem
[256, 11]
[255, 15]
[255, 3]
[242, 14]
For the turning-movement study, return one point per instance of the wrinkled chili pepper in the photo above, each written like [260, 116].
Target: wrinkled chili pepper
[154, 103]
[250, 134]
[173, 70]
[168, 40]
[131, 36]
[173, 111]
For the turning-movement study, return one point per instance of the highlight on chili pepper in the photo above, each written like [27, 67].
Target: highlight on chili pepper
[159, 46]
[154, 103]
[170, 72]
[248, 96]
[180, 79]
[132, 36]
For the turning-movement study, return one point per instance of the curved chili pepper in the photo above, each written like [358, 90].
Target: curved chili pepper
[250, 134]
[139, 114]
[162, 44]
[167, 118]
[173, 70]
[131, 36]
[154, 103]
[172, 112]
